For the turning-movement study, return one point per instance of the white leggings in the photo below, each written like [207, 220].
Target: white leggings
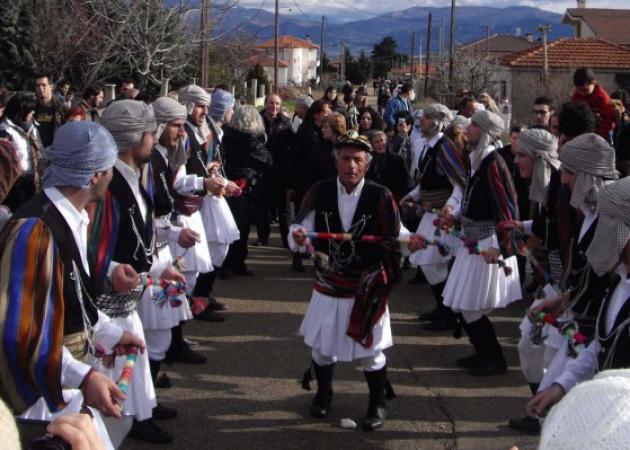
[369, 363]
[158, 342]
[435, 273]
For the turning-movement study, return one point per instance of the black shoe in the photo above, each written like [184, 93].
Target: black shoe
[429, 316]
[216, 305]
[320, 407]
[209, 315]
[526, 424]
[531, 287]
[148, 431]
[163, 382]
[440, 324]
[468, 361]
[164, 412]
[186, 355]
[488, 367]
[297, 265]
[375, 418]
[243, 272]
[261, 243]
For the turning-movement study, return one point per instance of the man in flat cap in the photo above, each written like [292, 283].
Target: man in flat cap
[439, 182]
[476, 284]
[133, 127]
[342, 322]
[48, 319]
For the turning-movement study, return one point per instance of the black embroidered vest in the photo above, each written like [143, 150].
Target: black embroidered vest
[350, 259]
[163, 191]
[475, 203]
[429, 174]
[614, 352]
[197, 156]
[134, 245]
[41, 207]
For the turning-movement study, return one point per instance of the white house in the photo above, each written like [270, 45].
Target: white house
[300, 56]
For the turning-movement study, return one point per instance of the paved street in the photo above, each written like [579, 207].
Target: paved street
[248, 396]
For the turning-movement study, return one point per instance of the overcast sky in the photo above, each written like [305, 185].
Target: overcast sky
[314, 8]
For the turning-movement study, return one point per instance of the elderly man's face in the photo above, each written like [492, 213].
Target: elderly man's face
[272, 107]
[379, 143]
[198, 114]
[426, 124]
[352, 164]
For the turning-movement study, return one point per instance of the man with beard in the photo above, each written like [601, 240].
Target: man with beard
[46, 283]
[132, 124]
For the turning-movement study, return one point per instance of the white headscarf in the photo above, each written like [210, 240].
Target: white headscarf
[543, 147]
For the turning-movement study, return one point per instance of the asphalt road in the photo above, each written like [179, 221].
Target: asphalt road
[248, 396]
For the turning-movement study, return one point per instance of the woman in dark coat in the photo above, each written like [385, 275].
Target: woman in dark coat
[246, 159]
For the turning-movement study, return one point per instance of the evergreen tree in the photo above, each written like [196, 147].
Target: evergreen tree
[17, 65]
[258, 73]
[383, 56]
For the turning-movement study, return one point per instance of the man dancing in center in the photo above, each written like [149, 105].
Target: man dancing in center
[347, 318]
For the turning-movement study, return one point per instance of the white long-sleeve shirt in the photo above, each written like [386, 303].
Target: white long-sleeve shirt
[105, 332]
[586, 364]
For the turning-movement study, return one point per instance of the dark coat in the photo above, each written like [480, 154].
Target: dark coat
[246, 156]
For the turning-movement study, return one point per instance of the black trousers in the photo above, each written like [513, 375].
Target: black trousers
[243, 211]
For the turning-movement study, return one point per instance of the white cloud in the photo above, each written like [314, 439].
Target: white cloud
[314, 8]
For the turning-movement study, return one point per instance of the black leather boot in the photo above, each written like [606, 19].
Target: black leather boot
[180, 351]
[491, 361]
[376, 413]
[297, 265]
[160, 412]
[148, 431]
[321, 402]
[445, 319]
[470, 360]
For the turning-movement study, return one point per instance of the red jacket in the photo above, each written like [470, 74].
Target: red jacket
[599, 102]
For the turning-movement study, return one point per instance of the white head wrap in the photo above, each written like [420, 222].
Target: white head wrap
[192, 95]
[440, 114]
[593, 160]
[460, 121]
[594, 415]
[613, 227]
[492, 126]
[127, 121]
[79, 150]
[166, 110]
[543, 147]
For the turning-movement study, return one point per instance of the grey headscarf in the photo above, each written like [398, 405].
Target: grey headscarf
[543, 147]
[492, 126]
[303, 100]
[79, 150]
[460, 121]
[613, 227]
[166, 110]
[127, 121]
[192, 95]
[221, 102]
[440, 114]
[593, 160]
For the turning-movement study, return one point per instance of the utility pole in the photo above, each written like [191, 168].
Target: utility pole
[487, 55]
[412, 69]
[342, 63]
[275, 48]
[441, 51]
[321, 54]
[451, 50]
[428, 59]
[544, 29]
[205, 39]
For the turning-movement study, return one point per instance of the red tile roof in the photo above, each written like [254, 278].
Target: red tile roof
[610, 24]
[499, 44]
[288, 41]
[264, 60]
[572, 53]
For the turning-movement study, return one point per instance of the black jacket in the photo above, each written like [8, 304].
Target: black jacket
[389, 169]
[246, 156]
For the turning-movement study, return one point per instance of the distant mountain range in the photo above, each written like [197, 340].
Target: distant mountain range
[471, 22]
